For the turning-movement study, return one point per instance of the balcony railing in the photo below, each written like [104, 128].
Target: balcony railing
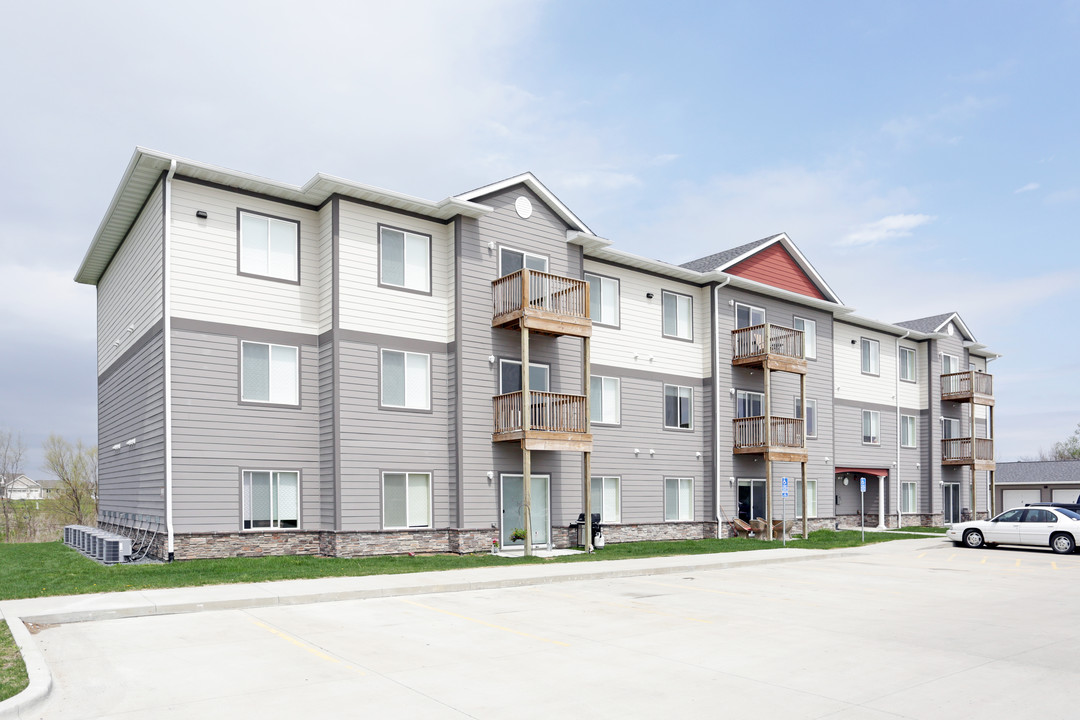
[781, 347]
[967, 451]
[967, 385]
[540, 296]
[784, 432]
[548, 412]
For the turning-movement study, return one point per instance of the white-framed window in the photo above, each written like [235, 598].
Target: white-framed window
[406, 500]
[949, 364]
[871, 427]
[269, 246]
[510, 261]
[748, 316]
[605, 498]
[271, 499]
[811, 416]
[603, 299]
[908, 371]
[604, 400]
[678, 315]
[908, 497]
[950, 428]
[269, 373]
[749, 404]
[908, 429]
[811, 498]
[510, 376]
[871, 356]
[809, 330]
[678, 498]
[678, 407]
[404, 259]
[406, 380]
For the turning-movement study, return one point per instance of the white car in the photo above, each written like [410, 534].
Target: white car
[1055, 527]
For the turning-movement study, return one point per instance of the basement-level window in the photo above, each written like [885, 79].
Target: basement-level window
[271, 499]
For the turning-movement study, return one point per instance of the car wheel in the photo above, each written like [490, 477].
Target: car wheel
[1062, 543]
[973, 538]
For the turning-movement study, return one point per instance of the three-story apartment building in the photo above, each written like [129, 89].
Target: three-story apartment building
[344, 370]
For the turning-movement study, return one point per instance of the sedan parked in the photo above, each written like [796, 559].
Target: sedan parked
[1053, 527]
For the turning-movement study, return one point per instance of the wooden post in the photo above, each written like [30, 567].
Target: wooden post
[974, 457]
[526, 418]
[768, 443]
[587, 387]
[992, 500]
[805, 414]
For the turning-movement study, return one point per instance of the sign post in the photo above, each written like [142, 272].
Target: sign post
[783, 502]
[862, 507]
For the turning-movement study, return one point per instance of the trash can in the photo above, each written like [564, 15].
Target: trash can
[581, 528]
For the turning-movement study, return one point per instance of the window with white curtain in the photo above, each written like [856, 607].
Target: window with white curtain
[907, 364]
[603, 299]
[811, 416]
[605, 498]
[406, 380]
[406, 500]
[908, 497]
[871, 356]
[678, 316]
[678, 498]
[404, 259]
[908, 438]
[871, 427]
[604, 400]
[809, 330]
[269, 373]
[811, 498]
[269, 246]
[271, 499]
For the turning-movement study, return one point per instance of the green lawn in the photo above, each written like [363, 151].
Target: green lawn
[12, 671]
[919, 528]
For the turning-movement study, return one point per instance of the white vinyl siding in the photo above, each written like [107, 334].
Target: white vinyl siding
[678, 499]
[811, 498]
[809, 329]
[604, 400]
[406, 500]
[678, 407]
[871, 427]
[871, 356]
[271, 499]
[406, 380]
[404, 259]
[908, 497]
[269, 373]
[603, 299]
[908, 431]
[908, 369]
[678, 316]
[605, 498]
[269, 247]
[852, 384]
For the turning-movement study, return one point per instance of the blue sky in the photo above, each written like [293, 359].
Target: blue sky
[922, 155]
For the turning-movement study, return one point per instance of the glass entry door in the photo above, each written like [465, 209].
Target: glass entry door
[950, 502]
[513, 510]
[751, 499]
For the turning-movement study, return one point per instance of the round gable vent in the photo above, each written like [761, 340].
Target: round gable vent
[523, 207]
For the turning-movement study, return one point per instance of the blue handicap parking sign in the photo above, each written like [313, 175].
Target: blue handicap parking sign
[862, 484]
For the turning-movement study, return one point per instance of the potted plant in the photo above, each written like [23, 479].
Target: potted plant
[518, 535]
[495, 547]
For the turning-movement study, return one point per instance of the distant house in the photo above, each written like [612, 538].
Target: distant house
[1039, 481]
[21, 487]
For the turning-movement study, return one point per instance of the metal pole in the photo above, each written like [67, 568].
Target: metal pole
[862, 508]
[526, 421]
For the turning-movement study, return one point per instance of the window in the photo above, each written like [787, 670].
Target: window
[678, 498]
[809, 329]
[811, 416]
[907, 497]
[406, 500]
[907, 431]
[871, 350]
[404, 259]
[907, 364]
[950, 428]
[603, 299]
[271, 499]
[811, 498]
[269, 373]
[510, 377]
[269, 246]
[748, 316]
[604, 400]
[406, 381]
[678, 316]
[949, 364]
[871, 427]
[678, 407]
[749, 404]
[605, 498]
[510, 261]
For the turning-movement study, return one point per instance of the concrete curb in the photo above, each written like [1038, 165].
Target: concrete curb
[36, 670]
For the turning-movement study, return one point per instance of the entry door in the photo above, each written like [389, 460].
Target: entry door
[950, 499]
[513, 510]
[751, 499]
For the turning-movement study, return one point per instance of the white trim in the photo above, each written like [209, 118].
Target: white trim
[679, 398]
[511, 361]
[531, 182]
[405, 369]
[166, 307]
[430, 499]
[270, 373]
[803, 263]
[525, 255]
[735, 315]
[678, 494]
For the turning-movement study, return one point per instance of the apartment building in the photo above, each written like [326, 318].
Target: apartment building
[344, 370]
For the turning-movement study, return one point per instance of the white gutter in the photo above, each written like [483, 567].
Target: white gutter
[167, 329]
[899, 492]
[716, 403]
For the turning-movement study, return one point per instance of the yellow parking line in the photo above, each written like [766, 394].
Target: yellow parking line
[1053, 564]
[920, 556]
[1017, 562]
[314, 651]
[484, 622]
[983, 561]
[951, 557]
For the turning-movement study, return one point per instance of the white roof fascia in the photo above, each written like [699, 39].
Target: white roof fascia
[784, 240]
[530, 181]
[955, 317]
[887, 328]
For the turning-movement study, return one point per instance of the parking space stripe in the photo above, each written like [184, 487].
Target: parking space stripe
[486, 623]
[304, 646]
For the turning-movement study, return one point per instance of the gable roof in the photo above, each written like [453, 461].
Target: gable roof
[22, 480]
[1038, 472]
[530, 181]
[722, 258]
[935, 323]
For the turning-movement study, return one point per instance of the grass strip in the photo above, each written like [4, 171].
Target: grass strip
[13, 679]
[921, 529]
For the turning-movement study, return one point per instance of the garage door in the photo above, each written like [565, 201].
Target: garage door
[1065, 495]
[1019, 498]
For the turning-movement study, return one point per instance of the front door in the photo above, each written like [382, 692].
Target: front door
[513, 510]
[950, 502]
[751, 499]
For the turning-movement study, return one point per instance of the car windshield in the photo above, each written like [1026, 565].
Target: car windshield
[1010, 515]
[1069, 513]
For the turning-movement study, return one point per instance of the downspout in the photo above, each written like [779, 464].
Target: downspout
[167, 325]
[716, 403]
[899, 492]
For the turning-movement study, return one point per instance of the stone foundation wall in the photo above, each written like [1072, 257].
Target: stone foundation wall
[637, 532]
[194, 546]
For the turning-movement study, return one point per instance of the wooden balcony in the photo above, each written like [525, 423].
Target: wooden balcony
[785, 438]
[774, 346]
[556, 421]
[542, 302]
[968, 386]
[978, 452]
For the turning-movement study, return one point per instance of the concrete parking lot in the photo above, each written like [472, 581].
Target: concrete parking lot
[911, 629]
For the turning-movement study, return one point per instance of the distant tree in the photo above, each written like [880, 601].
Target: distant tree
[1067, 449]
[75, 470]
[12, 451]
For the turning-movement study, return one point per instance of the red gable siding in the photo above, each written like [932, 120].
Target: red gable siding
[775, 266]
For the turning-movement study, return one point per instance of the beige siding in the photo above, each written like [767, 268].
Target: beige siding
[365, 306]
[639, 342]
[851, 383]
[205, 281]
[129, 293]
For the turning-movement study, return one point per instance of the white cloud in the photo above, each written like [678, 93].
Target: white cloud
[1026, 188]
[887, 228]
